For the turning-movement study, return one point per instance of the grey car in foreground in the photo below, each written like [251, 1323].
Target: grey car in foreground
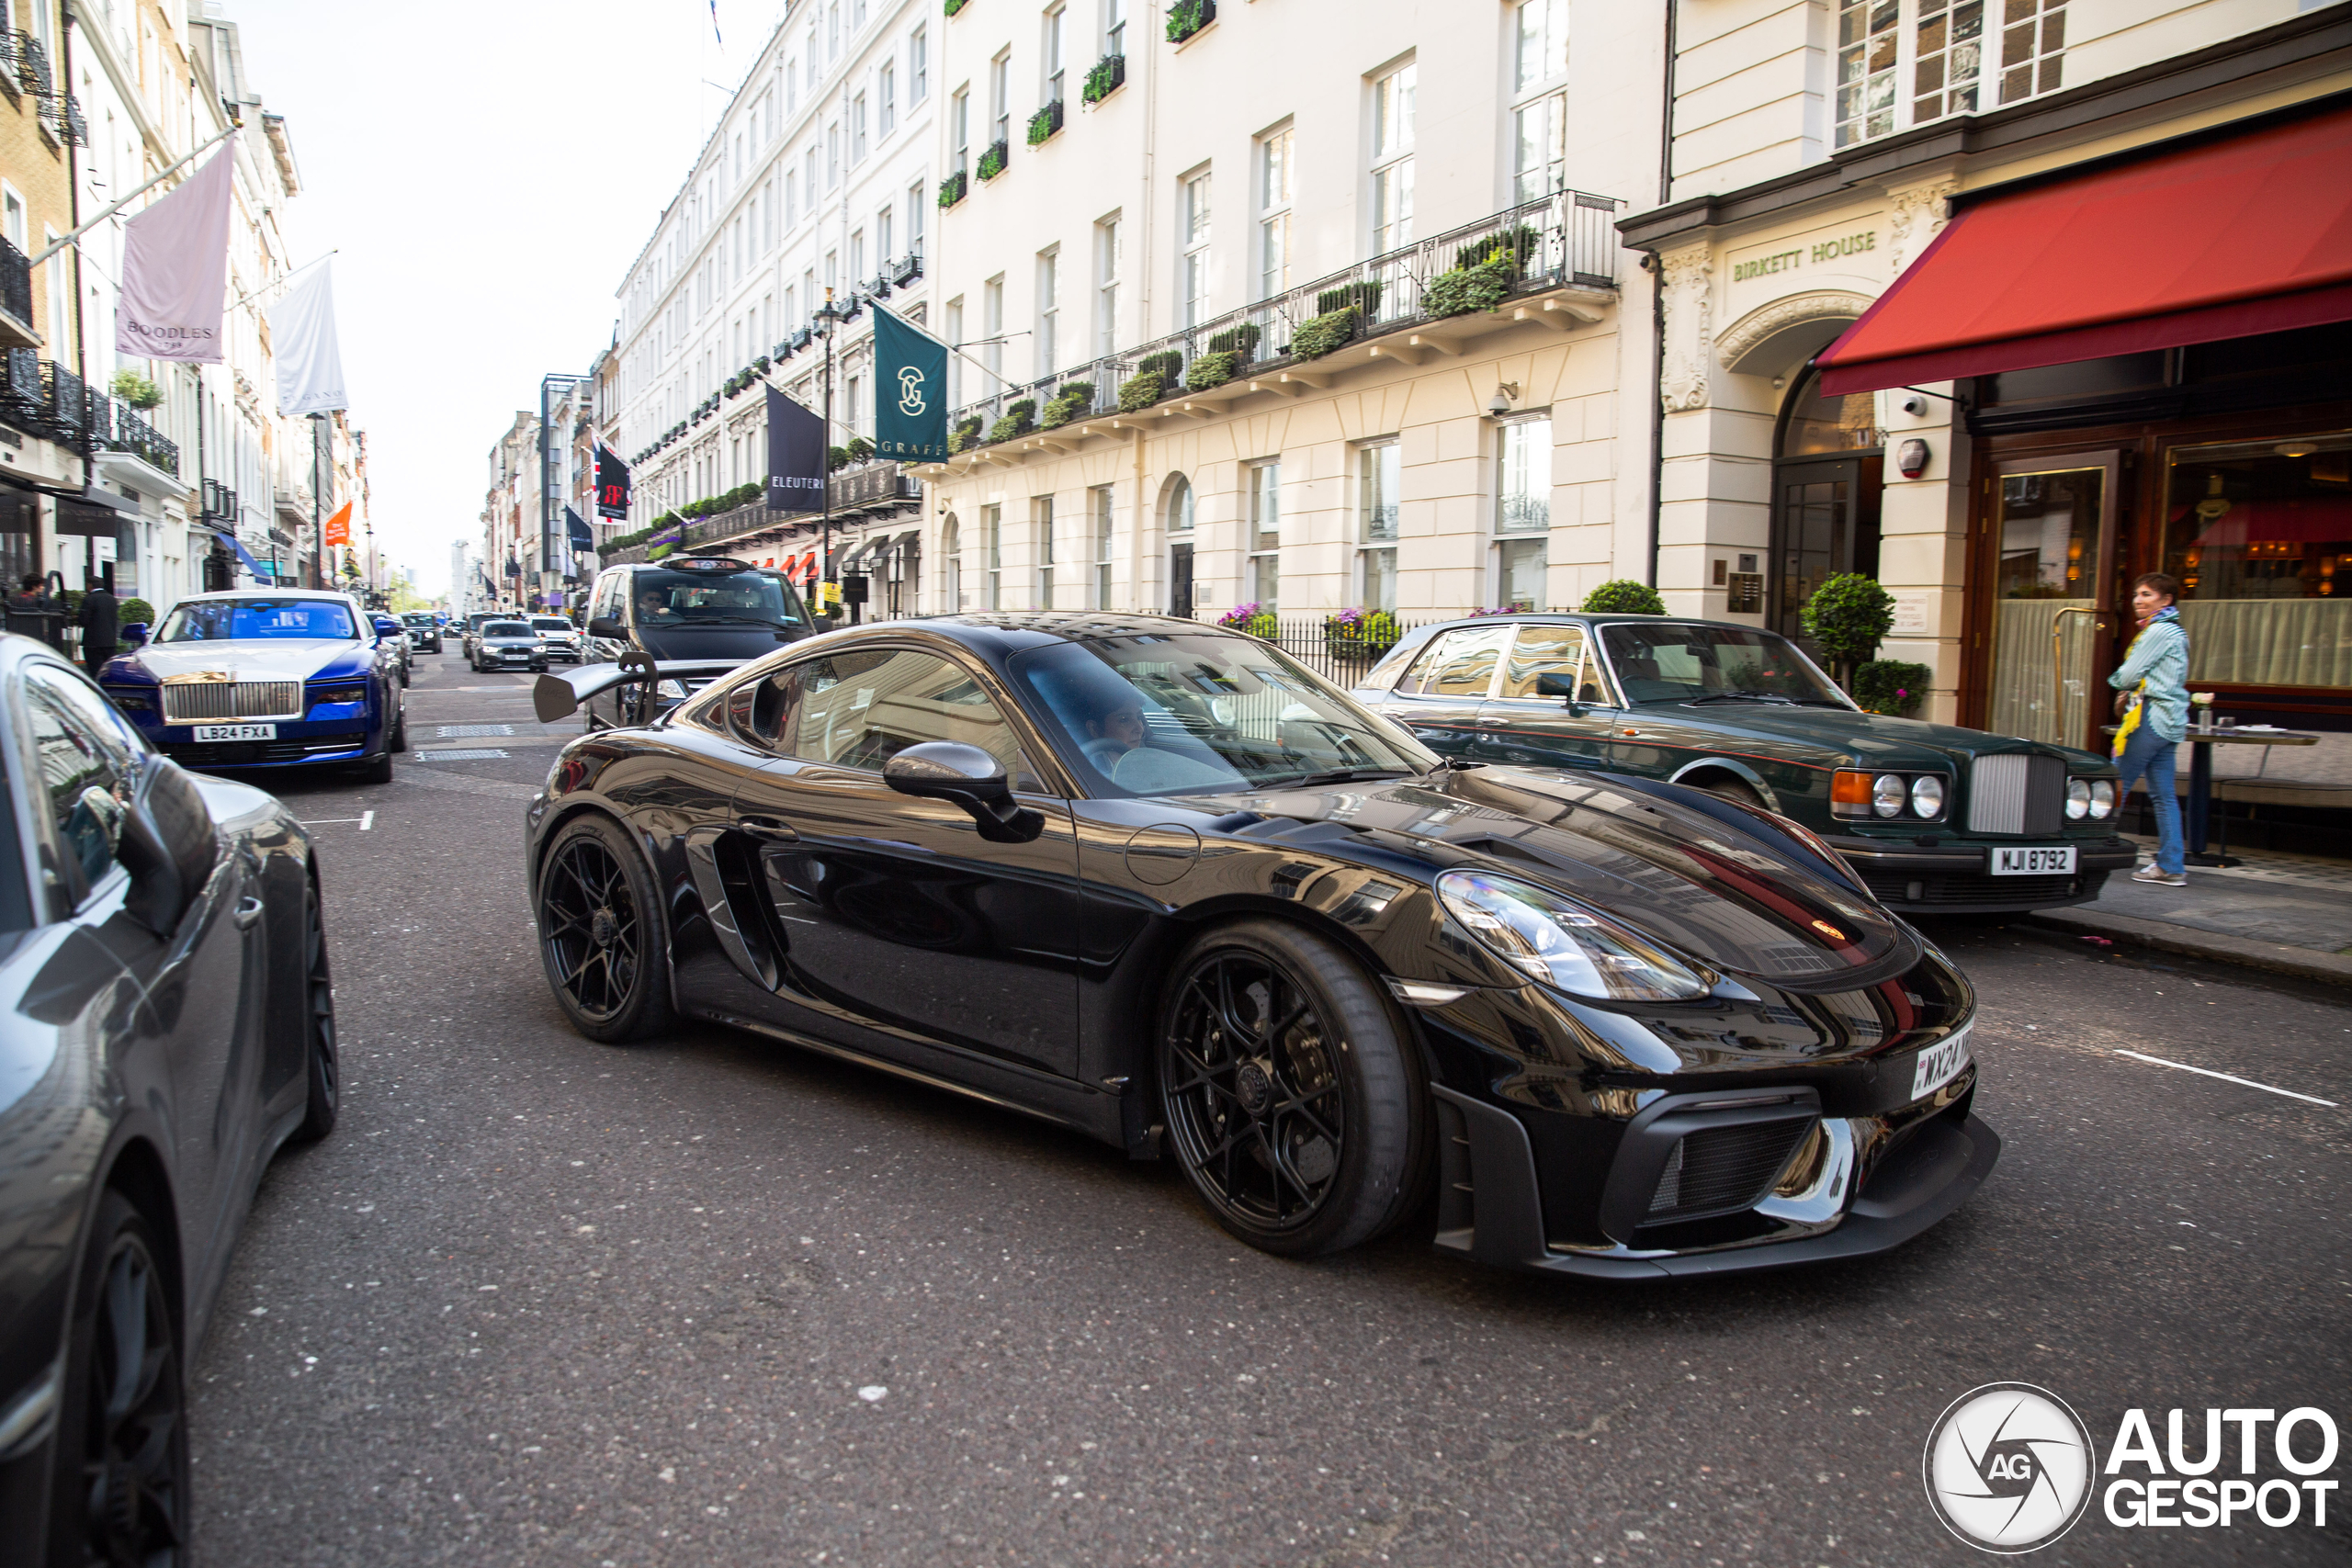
[166, 1022]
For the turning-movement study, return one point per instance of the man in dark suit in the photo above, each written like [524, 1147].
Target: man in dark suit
[99, 620]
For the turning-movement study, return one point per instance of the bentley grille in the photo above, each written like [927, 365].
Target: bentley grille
[2017, 795]
[199, 702]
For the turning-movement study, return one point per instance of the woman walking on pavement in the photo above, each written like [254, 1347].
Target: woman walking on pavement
[2151, 700]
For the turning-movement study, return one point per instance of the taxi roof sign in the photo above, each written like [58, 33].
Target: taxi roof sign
[707, 563]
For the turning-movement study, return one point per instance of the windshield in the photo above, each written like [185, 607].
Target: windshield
[504, 628]
[680, 598]
[549, 624]
[418, 620]
[1681, 662]
[1195, 713]
[227, 620]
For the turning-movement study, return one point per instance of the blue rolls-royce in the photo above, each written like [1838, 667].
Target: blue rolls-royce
[266, 678]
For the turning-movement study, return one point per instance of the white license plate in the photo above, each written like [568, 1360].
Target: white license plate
[2038, 860]
[236, 732]
[1939, 1065]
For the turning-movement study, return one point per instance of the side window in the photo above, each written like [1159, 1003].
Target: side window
[113, 731]
[1550, 650]
[1459, 664]
[858, 710]
[85, 773]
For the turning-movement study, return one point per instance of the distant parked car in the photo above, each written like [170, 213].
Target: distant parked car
[1933, 817]
[395, 636]
[425, 632]
[508, 645]
[167, 1023]
[471, 642]
[560, 637]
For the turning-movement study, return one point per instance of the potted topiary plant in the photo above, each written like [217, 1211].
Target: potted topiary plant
[1846, 617]
[1623, 596]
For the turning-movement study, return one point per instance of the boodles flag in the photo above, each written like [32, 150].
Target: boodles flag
[176, 269]
[796, 455]
[310, 362]
[909, 391]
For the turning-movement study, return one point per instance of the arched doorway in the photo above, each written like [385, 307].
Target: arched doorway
[1176, 513]
[1828, 469]
[951, 565]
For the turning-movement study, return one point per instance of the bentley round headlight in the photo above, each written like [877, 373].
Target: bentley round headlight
[2102, 799]
[1927, 795]
[2078, 799]
[1886, 795]
[1558, 941]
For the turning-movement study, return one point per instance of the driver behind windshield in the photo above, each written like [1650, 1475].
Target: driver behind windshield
[652, 604]
[1115, 729]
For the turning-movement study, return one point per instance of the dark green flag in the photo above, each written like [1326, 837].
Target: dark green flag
[909, 391]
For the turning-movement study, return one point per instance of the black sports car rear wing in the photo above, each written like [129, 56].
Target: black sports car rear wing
[557, 696]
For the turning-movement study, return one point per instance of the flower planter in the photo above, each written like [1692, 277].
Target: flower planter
[993, 161]
[1189, 17]
[1105, 78]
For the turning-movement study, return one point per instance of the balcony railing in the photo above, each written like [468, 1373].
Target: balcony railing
[54, 402]
[878, 488]
[15, 284]
[117, 427]
[1565, 240]
[31, 64]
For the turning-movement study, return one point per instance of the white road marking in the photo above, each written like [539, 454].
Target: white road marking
[326, 821]
[2228, 1078]
[366, 821]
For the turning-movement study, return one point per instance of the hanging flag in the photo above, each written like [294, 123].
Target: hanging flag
[612, 483]
[176, 269]
[909, 391]
[338, 528]
[796, 456]
[577, 526]
[302, 334]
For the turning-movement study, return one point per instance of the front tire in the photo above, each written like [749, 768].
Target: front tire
[323, 1072]
[121, 1490]
[1291, 1093]
[1737, 792]
[601, 937]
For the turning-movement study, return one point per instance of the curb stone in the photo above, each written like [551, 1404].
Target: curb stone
[2304, 963]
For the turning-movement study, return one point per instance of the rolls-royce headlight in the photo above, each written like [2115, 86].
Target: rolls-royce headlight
[1887, 795]
[2078, 799]
[2102, 799]
[1560, 942]
[1927, 795]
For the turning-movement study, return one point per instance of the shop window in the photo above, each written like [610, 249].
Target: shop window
[2260, 535]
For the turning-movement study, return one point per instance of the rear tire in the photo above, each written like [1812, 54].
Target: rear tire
[601, 935]
[324, 1065]
[1292, 1094]
[400, 731]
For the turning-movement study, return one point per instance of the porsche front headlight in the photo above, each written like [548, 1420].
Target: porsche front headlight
[1556, 940]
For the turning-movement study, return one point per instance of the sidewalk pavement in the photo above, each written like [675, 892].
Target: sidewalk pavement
[2289, 913]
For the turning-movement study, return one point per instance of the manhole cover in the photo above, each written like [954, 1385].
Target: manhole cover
[454, 731]
[459, 754]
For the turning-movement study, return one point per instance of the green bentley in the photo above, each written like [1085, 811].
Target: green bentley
[1933, 817]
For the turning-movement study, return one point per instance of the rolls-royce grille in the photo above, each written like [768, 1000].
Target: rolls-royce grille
[1725, 1168]
[198, 702]
[2017, 793]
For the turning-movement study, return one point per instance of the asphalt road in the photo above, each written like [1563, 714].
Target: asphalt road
[714, 1301]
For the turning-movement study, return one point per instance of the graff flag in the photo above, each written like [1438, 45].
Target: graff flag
[796, 456]
[175, 268]
[310, 363]
[612, 483]
[909, 391]
[338, 530]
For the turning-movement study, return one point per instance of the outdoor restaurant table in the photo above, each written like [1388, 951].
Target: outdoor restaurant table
[2201, 775]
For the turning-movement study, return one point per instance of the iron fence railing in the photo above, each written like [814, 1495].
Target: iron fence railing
[15, 283]
[1563, 239]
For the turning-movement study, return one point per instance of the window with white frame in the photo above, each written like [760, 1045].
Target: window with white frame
[1539, 100]
[856, 258]
[1193, 235]
[959, 128]
[857, 128]
[1106, 285]
[814, 57]
[791, 197]
[993, 558]
[832, 154]
[1099, 511]
[992, 332]
[915, 208]
[885, 222]
[1265, 485]
[1905, 63]
[857, 15]
[833, 30]
[1392, 160]
[1041, 517]
[1522, 510]
[1275, 171]
[1000, 98]
[791, 86]
[886, 95]
[1115, 27]
[918, 65]
[1379, 469]
[951, 562]
[954, 325]
[1050, 64]
[1049, 315]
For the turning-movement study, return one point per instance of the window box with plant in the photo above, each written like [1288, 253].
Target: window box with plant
[1189, 17]
[992, 161]
[1150, 383]
[1071, 399]
[1253, 617]
[953, 189]
[1108, 74]
[1045, 122]
[955, 6]
[1241, 342]
[1211, 370]
[1020, 418]
[136, 390]
[1360, 636]
[966, 433]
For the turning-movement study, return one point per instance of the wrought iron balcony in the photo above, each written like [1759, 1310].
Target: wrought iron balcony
[117, 427]
[17, 298]
[31, 63]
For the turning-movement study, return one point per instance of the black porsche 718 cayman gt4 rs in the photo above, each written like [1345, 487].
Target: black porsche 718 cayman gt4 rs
[1159, 883]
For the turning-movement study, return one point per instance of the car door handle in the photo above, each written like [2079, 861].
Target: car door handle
[249, 909]
[768, 828]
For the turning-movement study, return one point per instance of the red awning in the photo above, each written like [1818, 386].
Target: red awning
[2226, 239]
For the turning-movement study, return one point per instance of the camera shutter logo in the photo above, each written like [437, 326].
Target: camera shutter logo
[2008, 1467]
[911, 389]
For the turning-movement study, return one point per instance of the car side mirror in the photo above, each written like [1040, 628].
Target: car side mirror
[1552, 683]
[973, 779]
[606, 625]
[134, 634]
[167, 845]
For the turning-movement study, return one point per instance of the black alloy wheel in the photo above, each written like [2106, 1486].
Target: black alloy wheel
[122, 1469]
[324, 1069]
[1291, 1096]
[600, 934]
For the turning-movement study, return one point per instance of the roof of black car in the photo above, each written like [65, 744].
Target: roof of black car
[1003, 628]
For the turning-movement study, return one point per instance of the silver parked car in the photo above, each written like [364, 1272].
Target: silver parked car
[558, 636]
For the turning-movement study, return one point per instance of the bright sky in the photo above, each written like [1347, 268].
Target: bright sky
[488, 171]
